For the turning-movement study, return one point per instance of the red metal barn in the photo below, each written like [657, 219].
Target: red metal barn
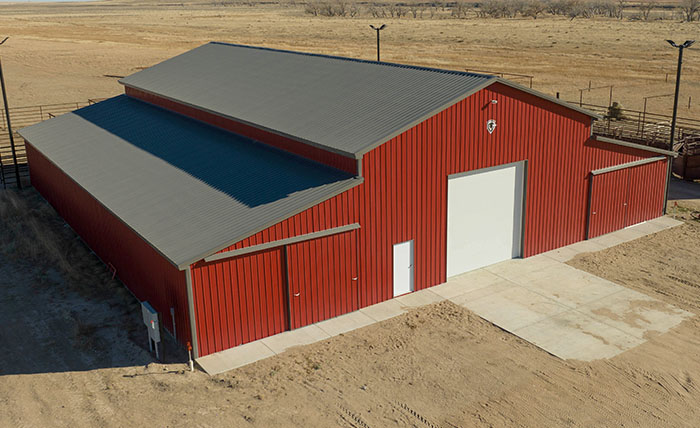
[255, 190]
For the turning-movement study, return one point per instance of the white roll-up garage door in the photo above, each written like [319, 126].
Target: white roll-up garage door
[484, 217]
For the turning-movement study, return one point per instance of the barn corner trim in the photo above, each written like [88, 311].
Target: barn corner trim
[632, 145]
[356, 181]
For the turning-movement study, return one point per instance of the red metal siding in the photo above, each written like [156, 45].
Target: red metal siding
[321, 278]
[239, 300]
[334, 160]
[645, 200]
[405, 189]
[404, 193]
[627, 196]
[609, 198]
[141, 268]
[338, 211]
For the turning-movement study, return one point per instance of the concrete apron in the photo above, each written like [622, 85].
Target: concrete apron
[567, 312]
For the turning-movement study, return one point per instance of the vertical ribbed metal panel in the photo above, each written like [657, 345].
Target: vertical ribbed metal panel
[646, 197]
[142, 269]
[609, 202]
[239, 300]
[321, 278]
[627, 196]
[404, 195]
[338, 211]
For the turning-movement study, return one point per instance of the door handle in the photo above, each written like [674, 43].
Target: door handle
[297, 294]
[354, 279]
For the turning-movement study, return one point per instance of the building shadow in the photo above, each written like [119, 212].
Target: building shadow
[252, 173]
[683, 190]
[60, 307]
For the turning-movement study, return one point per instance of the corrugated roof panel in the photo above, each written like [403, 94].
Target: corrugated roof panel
[187, 188]
[346, 105]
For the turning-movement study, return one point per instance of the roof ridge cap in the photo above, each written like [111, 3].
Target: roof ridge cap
[364, 61]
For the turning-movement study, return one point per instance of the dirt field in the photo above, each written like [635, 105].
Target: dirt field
[61, 52]
[74, 354]
[74, 349]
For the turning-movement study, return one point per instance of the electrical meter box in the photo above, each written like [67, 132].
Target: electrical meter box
[152, 320]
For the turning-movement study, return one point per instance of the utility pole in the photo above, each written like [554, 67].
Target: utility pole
[9, 125]
[378, 29]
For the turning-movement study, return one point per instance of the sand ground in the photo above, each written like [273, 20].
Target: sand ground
[61, 52]
[74, 355]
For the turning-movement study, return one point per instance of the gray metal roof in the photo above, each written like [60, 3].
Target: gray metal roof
[344, 105]
[186, 188]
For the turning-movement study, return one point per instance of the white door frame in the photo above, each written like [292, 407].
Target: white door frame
[399, 282]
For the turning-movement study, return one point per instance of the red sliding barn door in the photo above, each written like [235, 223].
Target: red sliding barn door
[625, 197]
[646, 196]
[322, 278]
[240, 300]
[608, 202]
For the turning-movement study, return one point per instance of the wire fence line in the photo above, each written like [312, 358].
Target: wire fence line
[642, 127]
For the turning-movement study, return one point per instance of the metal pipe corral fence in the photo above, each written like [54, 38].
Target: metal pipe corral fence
[22, 117]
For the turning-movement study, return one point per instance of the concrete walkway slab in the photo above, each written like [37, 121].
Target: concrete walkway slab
[465, 283]
[384, 310]
[345, 323]
[418, 298]
[573, 335]
[515, 307]
[474, 295]
[666, 221]
[635, 313]
[567, 312]
[301, 336]
[573, 314]
[513, 269]
[239, 356]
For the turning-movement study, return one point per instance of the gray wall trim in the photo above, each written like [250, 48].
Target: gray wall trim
[669, 170]
[627, 165]
[491, 168]
[282, 242]
[190, 310]
[635, 146]
[590, 205]
[526, 165]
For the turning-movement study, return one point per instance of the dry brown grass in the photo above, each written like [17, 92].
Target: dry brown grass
[62, 52]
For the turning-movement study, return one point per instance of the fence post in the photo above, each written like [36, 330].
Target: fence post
[639, 121]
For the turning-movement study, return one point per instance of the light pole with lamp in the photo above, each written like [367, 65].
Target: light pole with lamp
[378, 29]
[680, 48]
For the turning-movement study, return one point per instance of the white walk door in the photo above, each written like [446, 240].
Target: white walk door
[403, 268]
[484, 217]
